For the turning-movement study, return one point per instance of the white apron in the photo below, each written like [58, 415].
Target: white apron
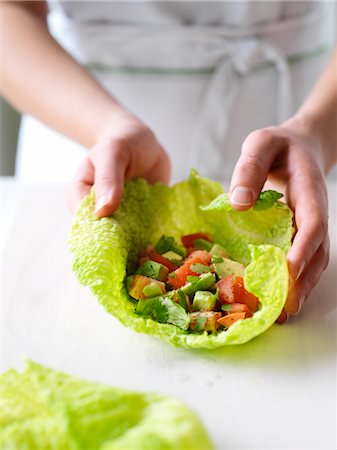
[201, 88]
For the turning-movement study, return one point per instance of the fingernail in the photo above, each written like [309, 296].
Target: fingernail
[300, 270]
[102, 201]
[301, 302]
[242, 196]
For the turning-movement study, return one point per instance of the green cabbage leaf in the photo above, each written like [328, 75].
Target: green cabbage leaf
[106, 249]
[45, 409]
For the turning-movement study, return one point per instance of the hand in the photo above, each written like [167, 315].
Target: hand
[127, 149]
[289, 158]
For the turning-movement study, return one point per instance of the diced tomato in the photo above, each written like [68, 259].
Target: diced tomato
[226, 290]
[211, 320]
[283, 317]
[232, 290]
[243, 296]
[150, 253]
[229, 319]
[203, 255]
[188, 239]
[239, 307]
[179, 277]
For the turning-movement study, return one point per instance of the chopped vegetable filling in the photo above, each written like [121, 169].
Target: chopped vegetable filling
[201, 292]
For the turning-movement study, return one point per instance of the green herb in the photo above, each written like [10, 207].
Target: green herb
[167, 244]
[164, 310]
[172, 274]
[192, 279]
[226, 307]
[217, 259]
[182, 299]
[164, 244]
[200, 324]
[267, 199]
[202, 244]
[200, 268]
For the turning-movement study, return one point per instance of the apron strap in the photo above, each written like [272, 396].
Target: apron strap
[213, 122]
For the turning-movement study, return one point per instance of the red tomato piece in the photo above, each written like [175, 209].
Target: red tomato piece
[239, 307]
[243, 296]
[232, 290]
[203, 255]
[227, 321]
[188, 239]
[226, 290]
[179, 277]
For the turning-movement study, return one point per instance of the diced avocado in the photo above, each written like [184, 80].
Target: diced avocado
[168, 243]
[204, 282]
[152, 290]
[154, 270]
[229, 267]
[204, 301]
[135, 285]
[164, 310]
[200, 268]
[219, 251]
[172, 256]
[204, 321]
[202, 244]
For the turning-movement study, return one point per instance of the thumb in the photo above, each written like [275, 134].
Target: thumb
[110, 163]
[251, 171]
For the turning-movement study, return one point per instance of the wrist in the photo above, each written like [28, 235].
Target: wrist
[113, 121]
[309, 128]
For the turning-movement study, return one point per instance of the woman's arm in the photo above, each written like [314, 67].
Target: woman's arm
[38, 77]
[294, 158]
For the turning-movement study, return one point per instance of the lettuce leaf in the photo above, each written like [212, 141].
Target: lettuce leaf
[42, 408]
[105, 249]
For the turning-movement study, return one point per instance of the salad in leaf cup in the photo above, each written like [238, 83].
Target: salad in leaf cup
[181, 264]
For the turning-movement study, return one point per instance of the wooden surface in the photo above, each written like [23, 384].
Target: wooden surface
[276, 392]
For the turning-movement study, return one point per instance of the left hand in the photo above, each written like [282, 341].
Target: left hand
[289, 159]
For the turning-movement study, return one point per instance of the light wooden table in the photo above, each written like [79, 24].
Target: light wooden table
[276, 392]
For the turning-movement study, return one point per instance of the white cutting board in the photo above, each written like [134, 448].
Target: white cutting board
[276, 392]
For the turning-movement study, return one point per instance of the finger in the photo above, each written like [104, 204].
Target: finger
[257, 156]
[283, 317]
[110, 167]
[81, 184]
[161, 170]
[300, 289]
[308, 199]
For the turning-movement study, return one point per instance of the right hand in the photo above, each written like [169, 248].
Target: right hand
[127, 149]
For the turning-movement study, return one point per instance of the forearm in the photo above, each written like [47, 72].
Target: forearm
[319, 113]
[40, 78]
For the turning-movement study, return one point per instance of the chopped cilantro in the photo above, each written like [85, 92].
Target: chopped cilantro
[217, 259]
[226, 307]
